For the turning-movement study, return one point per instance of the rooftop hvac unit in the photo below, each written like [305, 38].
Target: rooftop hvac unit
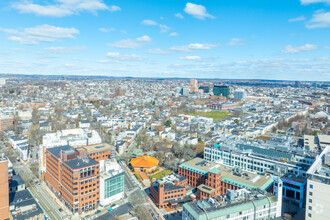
[327, 159]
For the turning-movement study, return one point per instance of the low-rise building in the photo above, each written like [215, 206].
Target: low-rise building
[239, 204]
[169, 191]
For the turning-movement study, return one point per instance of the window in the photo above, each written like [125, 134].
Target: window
[310, 207]
[310, 193]
[311, 186]
[310, 200]
[309, 215]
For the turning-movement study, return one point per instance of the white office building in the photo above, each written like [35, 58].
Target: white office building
[318, 188]
[111, 182]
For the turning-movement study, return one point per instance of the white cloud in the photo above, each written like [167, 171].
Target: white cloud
[65, 49]
[193, 46]
[191, 58]
[114, 8]
[307, 2]
[320, 19]
[236, 41]
[163, 28]
[178, 15]
[198, 11]
[158, 51]
[123, 57]
[61, 8]
[149, 22]
[41, 33]
[131, 44]
[307, 47]
[300, 18]
[173, 34]
[144, 38]
[106, 30]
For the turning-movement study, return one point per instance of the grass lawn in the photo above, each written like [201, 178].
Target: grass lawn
[217, 116]
[161, 174]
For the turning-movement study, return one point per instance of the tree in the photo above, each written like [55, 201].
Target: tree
[236, 121]
[237, 113]
[168, 123]
[35, 116]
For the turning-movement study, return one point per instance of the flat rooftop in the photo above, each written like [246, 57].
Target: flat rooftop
[81, 163]
[228, 174]
[95, 147]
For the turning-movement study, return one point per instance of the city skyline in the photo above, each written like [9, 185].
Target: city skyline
[279, 40]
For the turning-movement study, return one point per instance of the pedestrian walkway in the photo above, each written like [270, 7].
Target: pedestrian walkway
[56, 200]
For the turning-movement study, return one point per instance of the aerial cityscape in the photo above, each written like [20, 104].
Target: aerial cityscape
[165, 110]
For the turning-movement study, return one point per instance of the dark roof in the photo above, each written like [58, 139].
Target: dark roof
[21, 199]
[183, 199]
[81, 162]
[167, 186]
[16, 181]
[56, 150]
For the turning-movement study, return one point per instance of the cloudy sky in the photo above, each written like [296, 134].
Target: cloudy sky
[255, 39]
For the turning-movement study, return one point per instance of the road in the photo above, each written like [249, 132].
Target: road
[42, 197]
[136, 195]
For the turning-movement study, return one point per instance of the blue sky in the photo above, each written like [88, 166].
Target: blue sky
[239, 39]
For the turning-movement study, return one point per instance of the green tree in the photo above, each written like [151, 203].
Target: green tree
[168, 123]
[236, 121]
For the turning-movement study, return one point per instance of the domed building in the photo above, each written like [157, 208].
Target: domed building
[144, 163]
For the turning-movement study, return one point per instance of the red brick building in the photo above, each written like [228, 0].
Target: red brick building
[73, 177]
[170, 191]
[213, 180]
[6, 122]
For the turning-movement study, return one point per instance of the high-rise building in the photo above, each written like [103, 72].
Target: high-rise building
[193, 85]
[205, 88]
[2, 81]
[120, 92]
[318, 188]
[185, 91]
[221, 90]
[73, 177]
[297, 84]
[239, 94]
[4, 188]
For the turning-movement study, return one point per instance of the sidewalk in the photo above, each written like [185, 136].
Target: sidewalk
[57, 201]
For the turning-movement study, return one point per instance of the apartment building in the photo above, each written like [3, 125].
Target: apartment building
[6, 122]
[72, 137]
[318, 188]
[73, 177]
[239, 204]
[4, 192]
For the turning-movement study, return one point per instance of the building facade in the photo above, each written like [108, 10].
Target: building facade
[169, 191]
[112, 182]
[213, 179]
[318, 188]
[291, 168]
[4, 186]
[221, 90]
[73, 177]
[239, 204]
